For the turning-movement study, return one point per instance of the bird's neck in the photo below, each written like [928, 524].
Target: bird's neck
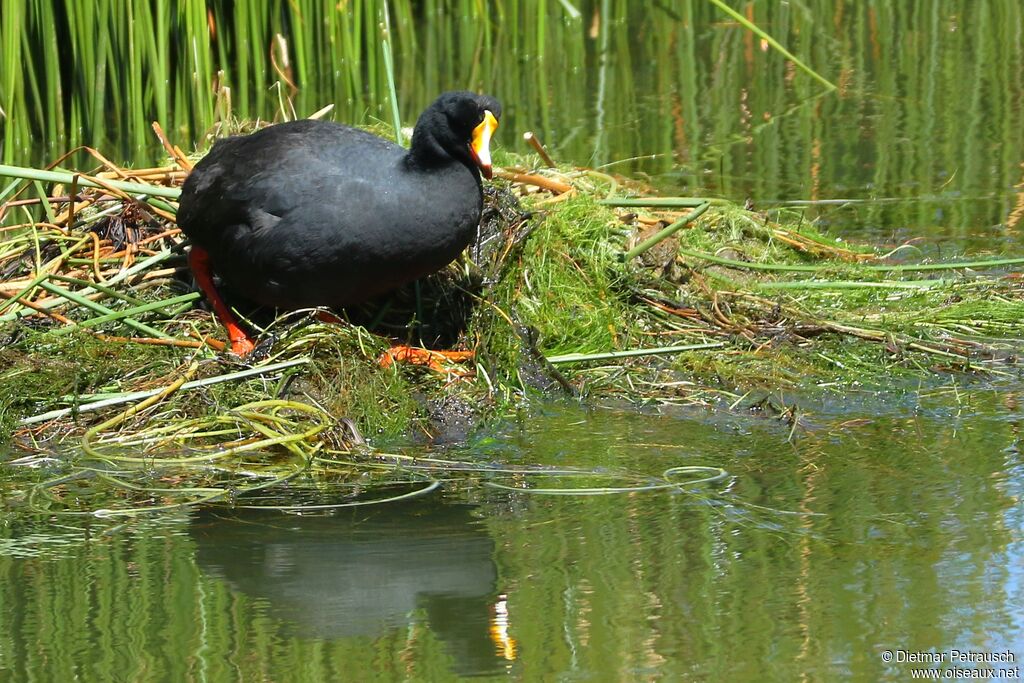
[426, 153]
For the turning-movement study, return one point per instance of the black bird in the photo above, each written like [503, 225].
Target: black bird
[314, 213]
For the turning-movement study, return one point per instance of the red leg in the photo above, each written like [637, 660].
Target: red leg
[199, 261]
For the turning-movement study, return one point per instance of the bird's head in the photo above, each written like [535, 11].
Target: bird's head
[461, 124]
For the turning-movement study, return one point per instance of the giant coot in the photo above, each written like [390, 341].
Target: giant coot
[313, 213]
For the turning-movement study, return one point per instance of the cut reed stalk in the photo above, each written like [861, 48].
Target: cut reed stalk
[667, 232]
[631, 353]
[100, 308]
[895, 268]
[531, 139]
[143, 308]
[65, 177]
[656, 202]
[119, 399]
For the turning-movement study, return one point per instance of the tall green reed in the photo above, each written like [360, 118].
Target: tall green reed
[685, 87]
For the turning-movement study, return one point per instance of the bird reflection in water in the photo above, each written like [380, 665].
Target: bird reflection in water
[363, 573]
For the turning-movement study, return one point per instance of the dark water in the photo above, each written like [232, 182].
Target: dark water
[907, 535]
[908, 532]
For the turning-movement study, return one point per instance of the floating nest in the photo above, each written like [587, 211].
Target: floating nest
[574, 286]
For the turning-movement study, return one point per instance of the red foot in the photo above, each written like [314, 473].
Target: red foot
[242, 346]
[438, 361]
[199, 260]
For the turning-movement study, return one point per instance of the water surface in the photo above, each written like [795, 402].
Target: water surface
[894, 531]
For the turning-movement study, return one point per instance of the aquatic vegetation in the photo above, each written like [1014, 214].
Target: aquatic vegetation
[707, 127]
[577, 284]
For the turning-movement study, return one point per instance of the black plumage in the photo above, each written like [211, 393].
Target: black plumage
[313, 213]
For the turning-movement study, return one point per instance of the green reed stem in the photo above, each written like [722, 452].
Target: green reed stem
[666, 232]
[100, 308]
[67, 178]
[137, 268]
[35, 282]
[109, 291]
[656, 202]
[848, 284]
[126, 313]
[896, 268]
[952, 265]
[136, 395]
[389, 72]
[612, 355]
[771, 41]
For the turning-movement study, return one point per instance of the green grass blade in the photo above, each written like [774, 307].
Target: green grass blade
[774, 43]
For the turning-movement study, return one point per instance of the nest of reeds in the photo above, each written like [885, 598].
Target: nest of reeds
[108, 350]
